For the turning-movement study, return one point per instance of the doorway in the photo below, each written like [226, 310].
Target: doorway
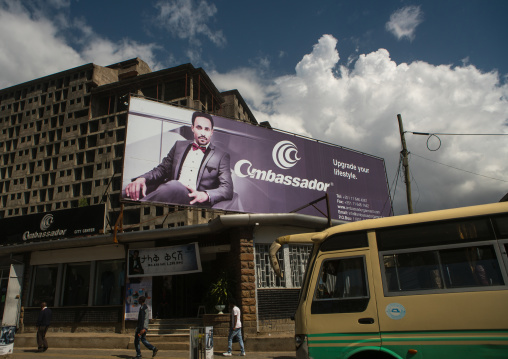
[177, 296]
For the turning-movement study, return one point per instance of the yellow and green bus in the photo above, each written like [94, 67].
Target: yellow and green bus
[427, 285]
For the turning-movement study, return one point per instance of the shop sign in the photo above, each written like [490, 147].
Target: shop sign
[156, 261]
[67, 223]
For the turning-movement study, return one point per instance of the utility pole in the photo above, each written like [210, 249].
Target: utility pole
[405, 163]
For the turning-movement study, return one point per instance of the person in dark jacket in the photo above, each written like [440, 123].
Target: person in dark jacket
[42, 324]
[141, 328]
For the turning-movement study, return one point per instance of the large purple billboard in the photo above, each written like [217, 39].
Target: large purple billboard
[179, 156]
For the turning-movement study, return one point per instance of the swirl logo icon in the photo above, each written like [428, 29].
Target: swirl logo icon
[47, 220]
[285, 154]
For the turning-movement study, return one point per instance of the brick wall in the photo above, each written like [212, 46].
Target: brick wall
[242, 251]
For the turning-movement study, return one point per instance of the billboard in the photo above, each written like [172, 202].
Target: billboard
[236, 166]
[66, 223]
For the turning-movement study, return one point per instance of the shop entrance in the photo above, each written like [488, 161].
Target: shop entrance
[177, 296]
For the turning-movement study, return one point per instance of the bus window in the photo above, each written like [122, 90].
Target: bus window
[471, 267]
[436, 270]
[342, 287]
[501, 226]
[413, 271]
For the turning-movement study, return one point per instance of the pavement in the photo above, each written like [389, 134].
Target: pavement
[120, 346]
[80, 353]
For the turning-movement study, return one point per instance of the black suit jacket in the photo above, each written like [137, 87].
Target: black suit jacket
[44, 318]
[214, 175]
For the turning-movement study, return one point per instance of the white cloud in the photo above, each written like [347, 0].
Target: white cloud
[185, 19]
[41, 46]
[358, 109]
[403, 22]
[33, 49]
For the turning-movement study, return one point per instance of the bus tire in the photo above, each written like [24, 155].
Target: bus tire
[371, 354]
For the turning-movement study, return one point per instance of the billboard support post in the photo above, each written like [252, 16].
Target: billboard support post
[328, 209]
[327, 215]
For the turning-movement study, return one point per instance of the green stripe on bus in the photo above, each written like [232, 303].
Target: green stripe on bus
[420, 333]
[430, 351]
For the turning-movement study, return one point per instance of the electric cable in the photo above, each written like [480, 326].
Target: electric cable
[456, 134]
[459, 169]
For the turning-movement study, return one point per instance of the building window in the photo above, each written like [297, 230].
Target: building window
[266, 277]
[77, 284]
[44, 285]
[293, 261]
[109, 282]
[298, 258]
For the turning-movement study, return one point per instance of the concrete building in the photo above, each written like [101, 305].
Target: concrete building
[62, 141]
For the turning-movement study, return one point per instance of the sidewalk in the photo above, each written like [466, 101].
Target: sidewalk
[59, 353]
[115, 345]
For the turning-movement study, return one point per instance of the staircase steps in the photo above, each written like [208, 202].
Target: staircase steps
[170, 334]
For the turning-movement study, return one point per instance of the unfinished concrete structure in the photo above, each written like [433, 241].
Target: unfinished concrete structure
[62, 136]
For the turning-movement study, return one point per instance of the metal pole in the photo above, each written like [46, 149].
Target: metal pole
[328, 209]
[405, 163]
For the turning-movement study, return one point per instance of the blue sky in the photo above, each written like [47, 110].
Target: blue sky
[338, 71]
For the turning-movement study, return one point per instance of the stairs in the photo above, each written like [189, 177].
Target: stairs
[170, 334]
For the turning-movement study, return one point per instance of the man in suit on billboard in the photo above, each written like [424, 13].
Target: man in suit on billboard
[193, 172]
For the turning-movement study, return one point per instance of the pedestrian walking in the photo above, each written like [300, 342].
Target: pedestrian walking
[141, 328]
[235, 329]
[43, 322]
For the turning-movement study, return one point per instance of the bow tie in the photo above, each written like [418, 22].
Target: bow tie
[196, 147]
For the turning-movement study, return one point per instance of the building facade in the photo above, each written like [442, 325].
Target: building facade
[62, 140]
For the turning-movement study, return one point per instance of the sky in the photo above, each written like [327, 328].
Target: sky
[337, 71]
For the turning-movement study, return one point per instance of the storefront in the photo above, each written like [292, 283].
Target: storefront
[87, 283]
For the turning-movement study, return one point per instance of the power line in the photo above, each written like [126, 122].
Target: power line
[459, 169]
[456, 134]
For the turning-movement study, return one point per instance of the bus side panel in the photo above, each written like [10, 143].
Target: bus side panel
[464, 325]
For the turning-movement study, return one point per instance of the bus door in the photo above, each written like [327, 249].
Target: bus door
[342, 316]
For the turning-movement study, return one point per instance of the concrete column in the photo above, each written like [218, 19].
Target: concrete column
[242, 246]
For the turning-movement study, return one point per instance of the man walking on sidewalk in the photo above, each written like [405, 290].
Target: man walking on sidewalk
[141, 328]
[42, 327]
[235, 329]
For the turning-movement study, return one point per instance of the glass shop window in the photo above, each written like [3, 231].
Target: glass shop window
[76, 284]
[44, 285]
[109, 282]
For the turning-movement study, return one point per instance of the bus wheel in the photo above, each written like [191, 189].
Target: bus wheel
[371, 354]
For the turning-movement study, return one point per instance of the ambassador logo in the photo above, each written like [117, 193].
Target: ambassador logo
[285, 154]
[46, 222]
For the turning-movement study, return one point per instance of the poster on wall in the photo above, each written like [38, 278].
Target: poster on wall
[209, 342]
[171, 260]
[143, 287]
[179, 156]
[7, 340]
